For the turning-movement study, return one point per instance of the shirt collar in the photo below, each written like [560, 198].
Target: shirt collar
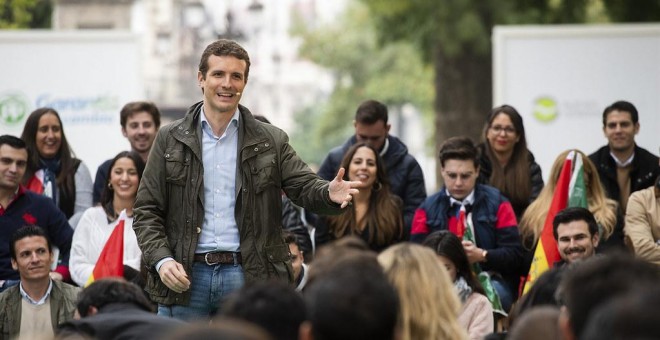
[385, 147]
[625, 163]
[27, 298]
[20, 191]
[206, 127]
[469, 200]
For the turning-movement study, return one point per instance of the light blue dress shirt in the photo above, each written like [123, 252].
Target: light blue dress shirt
[219, 228]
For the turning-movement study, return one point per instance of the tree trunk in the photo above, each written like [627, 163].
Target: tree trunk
[463, 88]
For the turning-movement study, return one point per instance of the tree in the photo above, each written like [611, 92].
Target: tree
[455, 37]
[15, 14]
[393, 74]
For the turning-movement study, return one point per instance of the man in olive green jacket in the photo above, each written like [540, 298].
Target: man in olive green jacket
[44, 303]
[194, 260]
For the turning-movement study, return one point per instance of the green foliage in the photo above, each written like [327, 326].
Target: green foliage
[362, 69]
[17, 14]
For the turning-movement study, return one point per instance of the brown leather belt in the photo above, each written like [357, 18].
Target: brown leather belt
[219, 257]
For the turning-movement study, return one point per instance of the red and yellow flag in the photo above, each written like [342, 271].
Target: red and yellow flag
[111, 260]
[546, 253]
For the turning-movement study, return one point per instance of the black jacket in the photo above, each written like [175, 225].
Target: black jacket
[120, 321]
[405, 174]
[644, 171]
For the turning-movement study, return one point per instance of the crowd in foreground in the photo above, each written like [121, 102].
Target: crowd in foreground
[222, 222]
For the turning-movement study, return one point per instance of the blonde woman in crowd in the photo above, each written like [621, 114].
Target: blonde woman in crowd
[429, 305]
[603, 208]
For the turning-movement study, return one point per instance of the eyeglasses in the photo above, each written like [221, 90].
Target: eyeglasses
[508, 130]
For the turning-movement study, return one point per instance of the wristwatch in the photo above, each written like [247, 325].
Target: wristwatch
[484, 253]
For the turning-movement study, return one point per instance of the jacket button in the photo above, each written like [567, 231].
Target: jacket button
[180, 127]
[256, 149]
[167, 155]
[270, 257]
[266, 145]
[186, 132]
[244, 190]
[199, 230]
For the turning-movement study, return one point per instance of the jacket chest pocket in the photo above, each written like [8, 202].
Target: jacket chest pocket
[264, 172]
[177, 164]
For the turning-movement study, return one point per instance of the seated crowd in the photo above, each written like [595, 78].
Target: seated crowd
[495, 253]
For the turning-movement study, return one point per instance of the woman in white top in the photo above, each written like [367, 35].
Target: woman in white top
[97, 223]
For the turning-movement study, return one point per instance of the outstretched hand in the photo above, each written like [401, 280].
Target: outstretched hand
[341, 192]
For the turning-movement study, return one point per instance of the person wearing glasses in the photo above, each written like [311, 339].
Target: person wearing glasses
[505, 161]
[464, 207]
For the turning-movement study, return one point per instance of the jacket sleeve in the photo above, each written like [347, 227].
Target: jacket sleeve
[506, 257]
[151, 206]
[537, 180]
[292, 222]
[100, 181]
[481, 321]
[84, 188]
[82, 262]
[638, 229]
[419, 229]
[61, 234]
[328, 169]
[414, 196]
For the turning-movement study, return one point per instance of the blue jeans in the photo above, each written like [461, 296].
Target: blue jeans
[506, 297]
[209, 287]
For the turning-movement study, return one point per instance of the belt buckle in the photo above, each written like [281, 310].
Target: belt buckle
[206, 259]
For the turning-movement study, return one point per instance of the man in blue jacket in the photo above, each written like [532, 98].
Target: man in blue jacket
[405, 174]
[497, 248]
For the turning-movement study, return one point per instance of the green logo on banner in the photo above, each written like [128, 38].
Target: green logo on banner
[545, 109]
[13, 108]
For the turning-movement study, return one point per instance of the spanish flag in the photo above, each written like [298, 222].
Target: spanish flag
[111, 260]
[570, 191]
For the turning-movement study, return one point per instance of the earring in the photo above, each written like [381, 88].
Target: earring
[109, 185]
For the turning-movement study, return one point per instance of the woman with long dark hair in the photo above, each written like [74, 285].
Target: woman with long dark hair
[97, 223]
[376, 213]
[506, 163]
[52, 167]
[476, 313]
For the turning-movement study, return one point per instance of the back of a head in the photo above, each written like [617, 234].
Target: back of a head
[222, 328]
[591, 283]
[542, 293]
[346, 249]
[352, 300]
[421, 281]
[273, 305]
[111, 290]
[540, 323]
[630, 317]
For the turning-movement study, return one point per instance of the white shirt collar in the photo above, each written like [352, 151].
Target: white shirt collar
[204, 123]
[385, 147]
[41, 301]
[467, 200]
[625, 163]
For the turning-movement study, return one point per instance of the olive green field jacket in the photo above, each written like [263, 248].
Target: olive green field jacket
[169, 209]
